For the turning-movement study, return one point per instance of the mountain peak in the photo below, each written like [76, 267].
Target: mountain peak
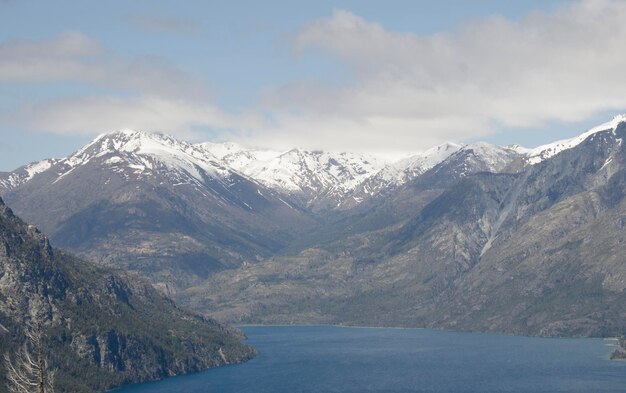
[126, 134]
[610, 125]
[123, 137]
[141, 153]
[126, 131]
[223, 149]
[427, 159]
[544, 152]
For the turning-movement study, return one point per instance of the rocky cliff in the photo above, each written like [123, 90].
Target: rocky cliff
[102, 328]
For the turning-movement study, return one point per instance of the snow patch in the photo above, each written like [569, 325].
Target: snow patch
[298, 171]
[544, 152]
[143, 152]
[408, 168]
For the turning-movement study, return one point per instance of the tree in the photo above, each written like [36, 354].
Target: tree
[28, 371]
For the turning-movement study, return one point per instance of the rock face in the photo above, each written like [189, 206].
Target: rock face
[314, 180]
[156, 205]
[475, 237]
[533, 249]
[102, 328]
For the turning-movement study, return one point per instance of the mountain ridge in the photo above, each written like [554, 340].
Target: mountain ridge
[390, 243]
[538, 252]
[276, 169]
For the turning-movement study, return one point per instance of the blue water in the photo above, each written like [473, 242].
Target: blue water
[328, 359]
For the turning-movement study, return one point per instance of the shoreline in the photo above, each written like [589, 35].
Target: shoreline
[240, 326]
[607, 341]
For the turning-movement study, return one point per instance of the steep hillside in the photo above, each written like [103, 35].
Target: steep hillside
[153, 204]
[316, 180]
[472, 236]
[537, 250]
[102, 328]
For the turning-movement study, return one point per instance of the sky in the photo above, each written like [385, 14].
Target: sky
[385, 78]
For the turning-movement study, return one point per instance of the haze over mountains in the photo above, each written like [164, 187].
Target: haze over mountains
[472, 236]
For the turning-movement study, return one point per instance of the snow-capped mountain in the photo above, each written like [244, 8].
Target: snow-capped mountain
[138, 154]
[402, 171]
[150, 198]
[237, 156]
[543, 152]
[310, 179]
[180, 213]
[328, 180]
[398, 173]
[22, 175]
[316, 179]
[483, 157]
[133, 155]
[444, 163]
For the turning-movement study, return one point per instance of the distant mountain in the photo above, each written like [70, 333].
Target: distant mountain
[20, 176]
[394, 175]
[541, 153]
[495, 244]
[102, 328]
[151, 203]
[308, 236]
[314, 179]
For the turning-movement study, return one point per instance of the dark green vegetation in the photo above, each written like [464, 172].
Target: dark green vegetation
[103, 328]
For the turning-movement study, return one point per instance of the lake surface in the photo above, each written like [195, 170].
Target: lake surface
[324, 359]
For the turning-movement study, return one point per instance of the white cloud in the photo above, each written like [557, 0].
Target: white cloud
[146, 93]
[408, 92]
[413, 91]
[73, 56]
[89, 115]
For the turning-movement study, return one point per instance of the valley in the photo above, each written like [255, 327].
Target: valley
[313, 197]
[464, 237]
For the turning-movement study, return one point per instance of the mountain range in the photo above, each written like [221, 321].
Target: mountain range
[475, 237]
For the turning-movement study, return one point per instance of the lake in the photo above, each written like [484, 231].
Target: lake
[325, 359]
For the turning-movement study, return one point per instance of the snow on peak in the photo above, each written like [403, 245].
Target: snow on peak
[314, 174]
[142, 152]
[472, 158]
[609, 125]
[488, 157]
[221, 150]
[427, 159]
[36, 168]
[317, 172]
[298, 171]
[405, 169]
[541, 153]
[26, 173]
[237, 156]
[139, 142]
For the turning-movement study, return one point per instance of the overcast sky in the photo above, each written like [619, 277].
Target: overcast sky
[381, 77]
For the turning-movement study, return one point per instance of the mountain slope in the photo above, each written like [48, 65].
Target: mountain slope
[20, 176]
[394, 175]
[537, 250]
[150, 203]
[543, 152]
[325, 237]
[103, 328]
[313, 179]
